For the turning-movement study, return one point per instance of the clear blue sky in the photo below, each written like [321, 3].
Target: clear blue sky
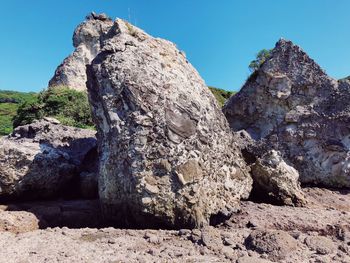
[220, 37]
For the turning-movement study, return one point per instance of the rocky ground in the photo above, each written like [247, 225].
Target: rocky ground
[165, 155]
[319, 232]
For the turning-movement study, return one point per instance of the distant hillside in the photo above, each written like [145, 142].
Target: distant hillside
[221, 95]
[9, 103]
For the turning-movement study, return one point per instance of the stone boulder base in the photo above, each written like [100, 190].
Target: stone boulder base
[168, 156]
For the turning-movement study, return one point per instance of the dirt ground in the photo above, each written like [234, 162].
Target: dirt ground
[49, 232]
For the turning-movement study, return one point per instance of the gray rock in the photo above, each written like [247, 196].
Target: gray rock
[290, 104]
[167, 153]
[18, 221]
[42, 159]
[86, 40]
[211, 238]
[248, 259]
[276, 180]
[320, 244]
[275, 243]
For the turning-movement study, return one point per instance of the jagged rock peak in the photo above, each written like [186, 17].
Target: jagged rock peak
[290, 59]
[87, 39]
[290, 104]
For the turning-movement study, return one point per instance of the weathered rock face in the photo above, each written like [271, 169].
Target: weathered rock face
[291, 105]
[277, 180]
[86, 40]
[167, 152]
[43, 159]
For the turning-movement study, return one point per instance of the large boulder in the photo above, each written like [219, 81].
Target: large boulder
[167, 153]
[291, 105]
[43, 159]
[86, 40]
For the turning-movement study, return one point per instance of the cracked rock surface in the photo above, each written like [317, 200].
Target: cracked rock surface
[167, 153]
[291, 105]
[43, 159]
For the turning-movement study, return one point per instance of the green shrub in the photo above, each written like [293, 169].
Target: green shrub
[221, 95]
[7, 111]
[261, 57]
[69, 106]
[27, 112]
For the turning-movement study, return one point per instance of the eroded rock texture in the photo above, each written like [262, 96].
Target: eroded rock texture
[291, 105]
[276, 180]
[86, 40]
[43, 159]
[167, 153]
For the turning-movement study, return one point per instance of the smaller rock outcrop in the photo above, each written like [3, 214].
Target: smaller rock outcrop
[86, 41]
[276, 180]
[290, 104]
[43, 159]
[321, 245]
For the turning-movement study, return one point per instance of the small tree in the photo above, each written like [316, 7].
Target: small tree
[27, 112]
[261, 57]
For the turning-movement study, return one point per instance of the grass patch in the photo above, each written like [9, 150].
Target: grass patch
[221, 95]
[69, 106]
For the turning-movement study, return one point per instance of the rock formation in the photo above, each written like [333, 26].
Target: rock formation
[276, 180]
[86, 40]
[290, 104]
[167, 153]
[276, 244]
[43, 159]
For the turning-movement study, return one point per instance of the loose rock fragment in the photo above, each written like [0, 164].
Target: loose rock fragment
[321, 245]
[275, 243]
[276, 180]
